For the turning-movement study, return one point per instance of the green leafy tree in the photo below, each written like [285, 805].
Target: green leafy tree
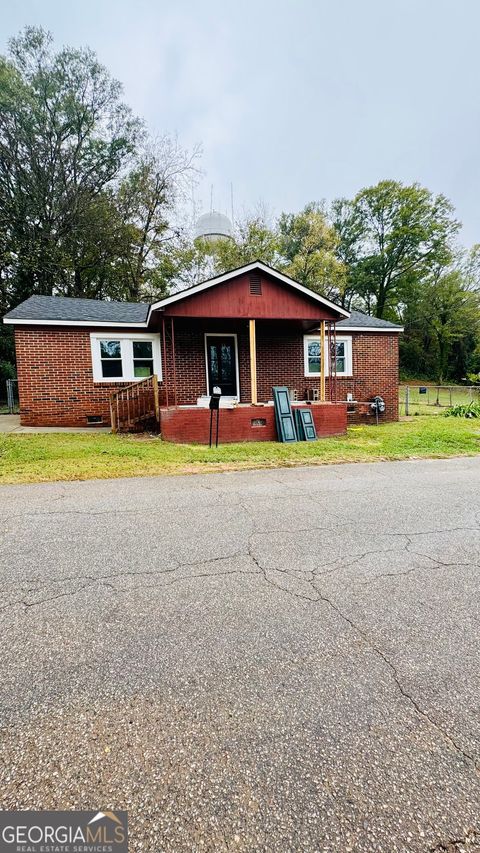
[65, 136]
[469, 266]
[301, 245]
[346, 221]
[254, 240]
[308, 248]
[442, 327]
[406, 232]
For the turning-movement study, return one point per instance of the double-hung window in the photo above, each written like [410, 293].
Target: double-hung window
[143, 359]
[312, 356]
[124, 358]
[341, 357]
[111, 359]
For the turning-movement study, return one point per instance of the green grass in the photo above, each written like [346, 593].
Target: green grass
[69, 456]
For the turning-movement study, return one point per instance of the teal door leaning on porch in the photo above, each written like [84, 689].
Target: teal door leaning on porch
[221, 364]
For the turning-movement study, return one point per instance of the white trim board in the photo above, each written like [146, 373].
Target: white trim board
[256, 265]
[383, 329]
[237, 365]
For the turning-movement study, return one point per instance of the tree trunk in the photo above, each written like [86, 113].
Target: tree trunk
[381, 300]
[77, 283]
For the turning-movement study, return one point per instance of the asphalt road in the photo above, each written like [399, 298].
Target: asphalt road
[281, 661]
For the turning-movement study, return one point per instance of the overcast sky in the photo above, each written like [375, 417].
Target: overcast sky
[295, 101]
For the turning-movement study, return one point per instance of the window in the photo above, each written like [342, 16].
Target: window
[312, 355]
[142, 359]
[124, 358]
[111, 359]
[341, 360]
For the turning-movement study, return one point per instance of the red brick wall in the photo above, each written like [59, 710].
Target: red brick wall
[56, 384]
[55, 378]
[280, 361]
[191, 377]
[193, 425]
[375, 371]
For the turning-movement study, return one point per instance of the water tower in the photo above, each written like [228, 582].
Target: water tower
[213, 226]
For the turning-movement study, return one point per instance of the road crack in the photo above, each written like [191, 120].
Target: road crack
[320, 596]
[470, 840]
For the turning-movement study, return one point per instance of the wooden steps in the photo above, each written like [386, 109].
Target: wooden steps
[135, 405]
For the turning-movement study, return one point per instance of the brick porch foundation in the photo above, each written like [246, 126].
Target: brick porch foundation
[243, 423]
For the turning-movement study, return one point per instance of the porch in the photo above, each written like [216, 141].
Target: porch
[246, 359]
[245, 332]
[243, 422]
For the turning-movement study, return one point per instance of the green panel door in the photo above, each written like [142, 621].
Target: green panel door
[305, 425]
[283, 415]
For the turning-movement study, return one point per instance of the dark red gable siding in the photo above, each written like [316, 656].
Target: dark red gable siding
[234, 299]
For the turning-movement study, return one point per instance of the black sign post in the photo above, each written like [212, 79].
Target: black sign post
[215, 407]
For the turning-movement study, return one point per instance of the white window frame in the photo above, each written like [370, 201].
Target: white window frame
[341, 339]
[126, 349]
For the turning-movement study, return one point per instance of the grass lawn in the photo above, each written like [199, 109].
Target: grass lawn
[63, 456]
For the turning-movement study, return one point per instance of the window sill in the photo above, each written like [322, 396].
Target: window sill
[123, 381]
[317, 376]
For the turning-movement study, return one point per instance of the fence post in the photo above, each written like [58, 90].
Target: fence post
[10, 396]
[407, 398]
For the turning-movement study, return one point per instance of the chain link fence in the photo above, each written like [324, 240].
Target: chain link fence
[434, 399]
[9, 397]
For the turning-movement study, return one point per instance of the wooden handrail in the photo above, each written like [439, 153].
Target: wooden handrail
[135, 404]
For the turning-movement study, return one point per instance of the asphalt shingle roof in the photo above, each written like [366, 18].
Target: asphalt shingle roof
[359, 320]
[64, 308]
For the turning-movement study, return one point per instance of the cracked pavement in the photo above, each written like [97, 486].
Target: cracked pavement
[278, 660]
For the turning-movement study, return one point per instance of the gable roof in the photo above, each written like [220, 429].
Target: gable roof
[64, 310]
[68, 311]
[258, 266]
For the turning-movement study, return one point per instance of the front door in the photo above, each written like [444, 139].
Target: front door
[222, 364]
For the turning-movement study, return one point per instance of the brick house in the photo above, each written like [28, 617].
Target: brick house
[245, 331]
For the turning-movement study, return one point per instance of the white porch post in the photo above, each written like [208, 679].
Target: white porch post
[253, 361]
